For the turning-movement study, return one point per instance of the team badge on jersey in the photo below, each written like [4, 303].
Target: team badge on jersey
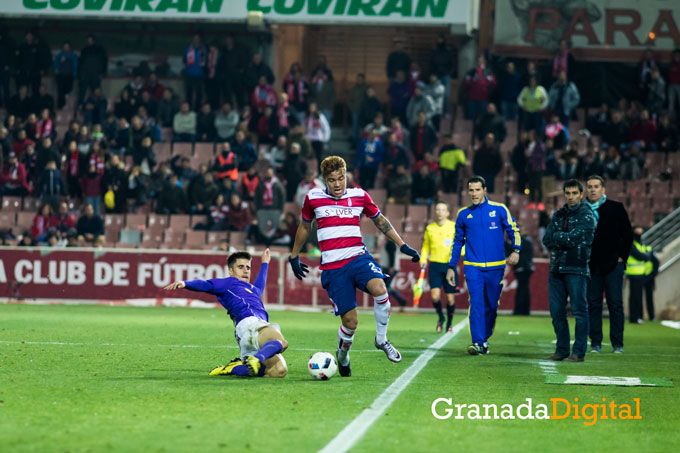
[492, 214]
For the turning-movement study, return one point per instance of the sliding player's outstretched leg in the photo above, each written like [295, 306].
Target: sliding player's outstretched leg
[228, 369]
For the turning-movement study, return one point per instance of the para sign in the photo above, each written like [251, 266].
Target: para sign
[607, 28]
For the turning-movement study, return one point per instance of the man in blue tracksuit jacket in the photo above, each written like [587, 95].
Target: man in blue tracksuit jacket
[480, 227]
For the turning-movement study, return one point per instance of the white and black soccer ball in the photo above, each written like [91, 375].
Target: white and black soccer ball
[322, 366]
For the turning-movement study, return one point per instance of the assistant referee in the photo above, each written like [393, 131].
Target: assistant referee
[437, 247]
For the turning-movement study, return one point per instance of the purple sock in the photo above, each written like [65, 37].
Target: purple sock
[269, 349]
[241, 370]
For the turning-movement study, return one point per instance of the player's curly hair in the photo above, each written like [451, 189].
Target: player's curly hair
[331, 164]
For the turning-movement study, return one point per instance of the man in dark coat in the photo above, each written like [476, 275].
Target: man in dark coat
[611, 247]
[92, 67]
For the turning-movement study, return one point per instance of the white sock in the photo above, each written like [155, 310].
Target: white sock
[345, 339]
[381, 308]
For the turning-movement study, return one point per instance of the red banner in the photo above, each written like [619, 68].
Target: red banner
[115, 274]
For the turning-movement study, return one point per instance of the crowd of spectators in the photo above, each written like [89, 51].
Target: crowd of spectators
[269, 136]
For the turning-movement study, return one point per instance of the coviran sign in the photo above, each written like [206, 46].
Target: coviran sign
[604, 27]
[416, 12]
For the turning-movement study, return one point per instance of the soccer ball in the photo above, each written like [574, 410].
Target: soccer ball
[322, 366]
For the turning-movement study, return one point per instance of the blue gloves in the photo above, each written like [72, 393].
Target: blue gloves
[406, 250]
[300, 269]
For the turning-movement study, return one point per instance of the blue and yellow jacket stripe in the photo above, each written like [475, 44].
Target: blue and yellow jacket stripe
[480, 229]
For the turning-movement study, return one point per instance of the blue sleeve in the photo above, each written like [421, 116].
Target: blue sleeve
[359, 158]
[511, 229]
[261, 279]
[458, 240]
[203, 286]
[381, 152]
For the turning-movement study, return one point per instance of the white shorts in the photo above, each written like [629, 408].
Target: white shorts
[247, 332]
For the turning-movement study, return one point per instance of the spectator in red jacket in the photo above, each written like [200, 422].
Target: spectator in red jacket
[14, 179]
[67, 220]
[643, 130]
[239, 215]
[45, 125]
[20, 144]
[478, 84]
[91, 185]
[263, 95]
[43, 222]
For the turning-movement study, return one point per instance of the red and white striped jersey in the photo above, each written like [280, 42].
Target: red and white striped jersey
[338, 223]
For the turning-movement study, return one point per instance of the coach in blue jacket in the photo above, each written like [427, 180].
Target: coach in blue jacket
[480, 228]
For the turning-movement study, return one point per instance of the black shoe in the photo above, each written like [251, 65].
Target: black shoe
[345, 370]
[558, 357]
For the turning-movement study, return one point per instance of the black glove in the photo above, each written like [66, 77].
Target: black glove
[406, 250]
[300, 269]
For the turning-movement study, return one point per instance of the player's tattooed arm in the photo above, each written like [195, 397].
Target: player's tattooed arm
[383, 224]
[388, 230]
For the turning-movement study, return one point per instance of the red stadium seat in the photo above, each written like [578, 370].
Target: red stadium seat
[395, 212]
[135, 221]
[157, 221]
[114, 222]
[205, 153]
[214, 238]
[182, 149]
[197, 219]
[11, 204]
[195, 239]
[659, 188]
[237, 239]
[162, 151]
[662, 204]
[180, 222]
[111, 236]
[173, 237]
[31, 204]
[25, 220]
[7, 219]
[418, 212]
[379, 196]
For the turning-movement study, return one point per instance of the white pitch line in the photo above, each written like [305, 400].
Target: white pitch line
[353, 432]
[190, 346]
[548, 367]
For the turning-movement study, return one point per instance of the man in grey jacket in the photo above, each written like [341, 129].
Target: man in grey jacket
[569, 238]
[563, 97]
[420, 102]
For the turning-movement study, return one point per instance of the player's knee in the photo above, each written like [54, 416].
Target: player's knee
[351, 323]
[281, 371]
[379, 289]
[284, 344]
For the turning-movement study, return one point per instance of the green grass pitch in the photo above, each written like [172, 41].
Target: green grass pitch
[94, 378]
